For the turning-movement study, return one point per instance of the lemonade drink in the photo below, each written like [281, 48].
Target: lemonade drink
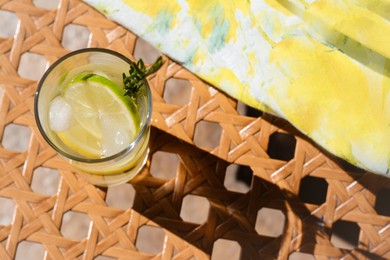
[82, 112]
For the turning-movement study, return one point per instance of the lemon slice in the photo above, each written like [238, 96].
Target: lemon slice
[78, 139]
[105, 120]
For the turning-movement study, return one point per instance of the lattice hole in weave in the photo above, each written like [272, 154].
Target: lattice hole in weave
[45, 181]
[120, 196]
[150, 239]
[75, 225]
[382, 205]
[238, 178]
[241, 108]
[281, 146]
[29, 250]
[177, 91]
[164, 165]
[270, 222]
[145, 51]
[195, 209]
[50, 5]
[313, 190]
[252, 112]
[226, 249]
[345, 234]
[7, 207]
[75, 37]
[16, 137]
[32, 66]
[8, 24]
[207, 134]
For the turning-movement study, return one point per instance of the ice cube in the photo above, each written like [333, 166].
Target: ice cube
[101, 73]
[116, 135]
[60, 114]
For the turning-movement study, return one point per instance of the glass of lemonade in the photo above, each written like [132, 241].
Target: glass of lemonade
[82, 112]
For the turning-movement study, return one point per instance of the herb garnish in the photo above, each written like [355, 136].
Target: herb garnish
[137, 73]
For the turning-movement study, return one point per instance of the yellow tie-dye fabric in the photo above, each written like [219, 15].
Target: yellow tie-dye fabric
[322, 65]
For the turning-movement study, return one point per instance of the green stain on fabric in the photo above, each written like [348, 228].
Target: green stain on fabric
[163, 21]
[189, 61]
[220, 30]
[218, 36]
[198, 25]
[211, 23]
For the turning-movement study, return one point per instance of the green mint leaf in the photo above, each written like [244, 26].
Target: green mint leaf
[137, 73]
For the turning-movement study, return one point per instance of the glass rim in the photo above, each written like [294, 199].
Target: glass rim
[129, 147]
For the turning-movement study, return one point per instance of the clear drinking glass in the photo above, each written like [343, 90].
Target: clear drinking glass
[103, 170]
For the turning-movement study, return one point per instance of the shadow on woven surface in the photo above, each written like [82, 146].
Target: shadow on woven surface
[263, 222]
[368, 192]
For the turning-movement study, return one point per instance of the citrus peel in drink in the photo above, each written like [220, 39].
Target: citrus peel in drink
[105, 121]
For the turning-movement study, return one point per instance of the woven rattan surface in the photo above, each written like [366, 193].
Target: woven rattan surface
[314, 192]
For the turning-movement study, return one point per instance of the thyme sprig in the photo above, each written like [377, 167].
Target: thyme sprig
[137, 73]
